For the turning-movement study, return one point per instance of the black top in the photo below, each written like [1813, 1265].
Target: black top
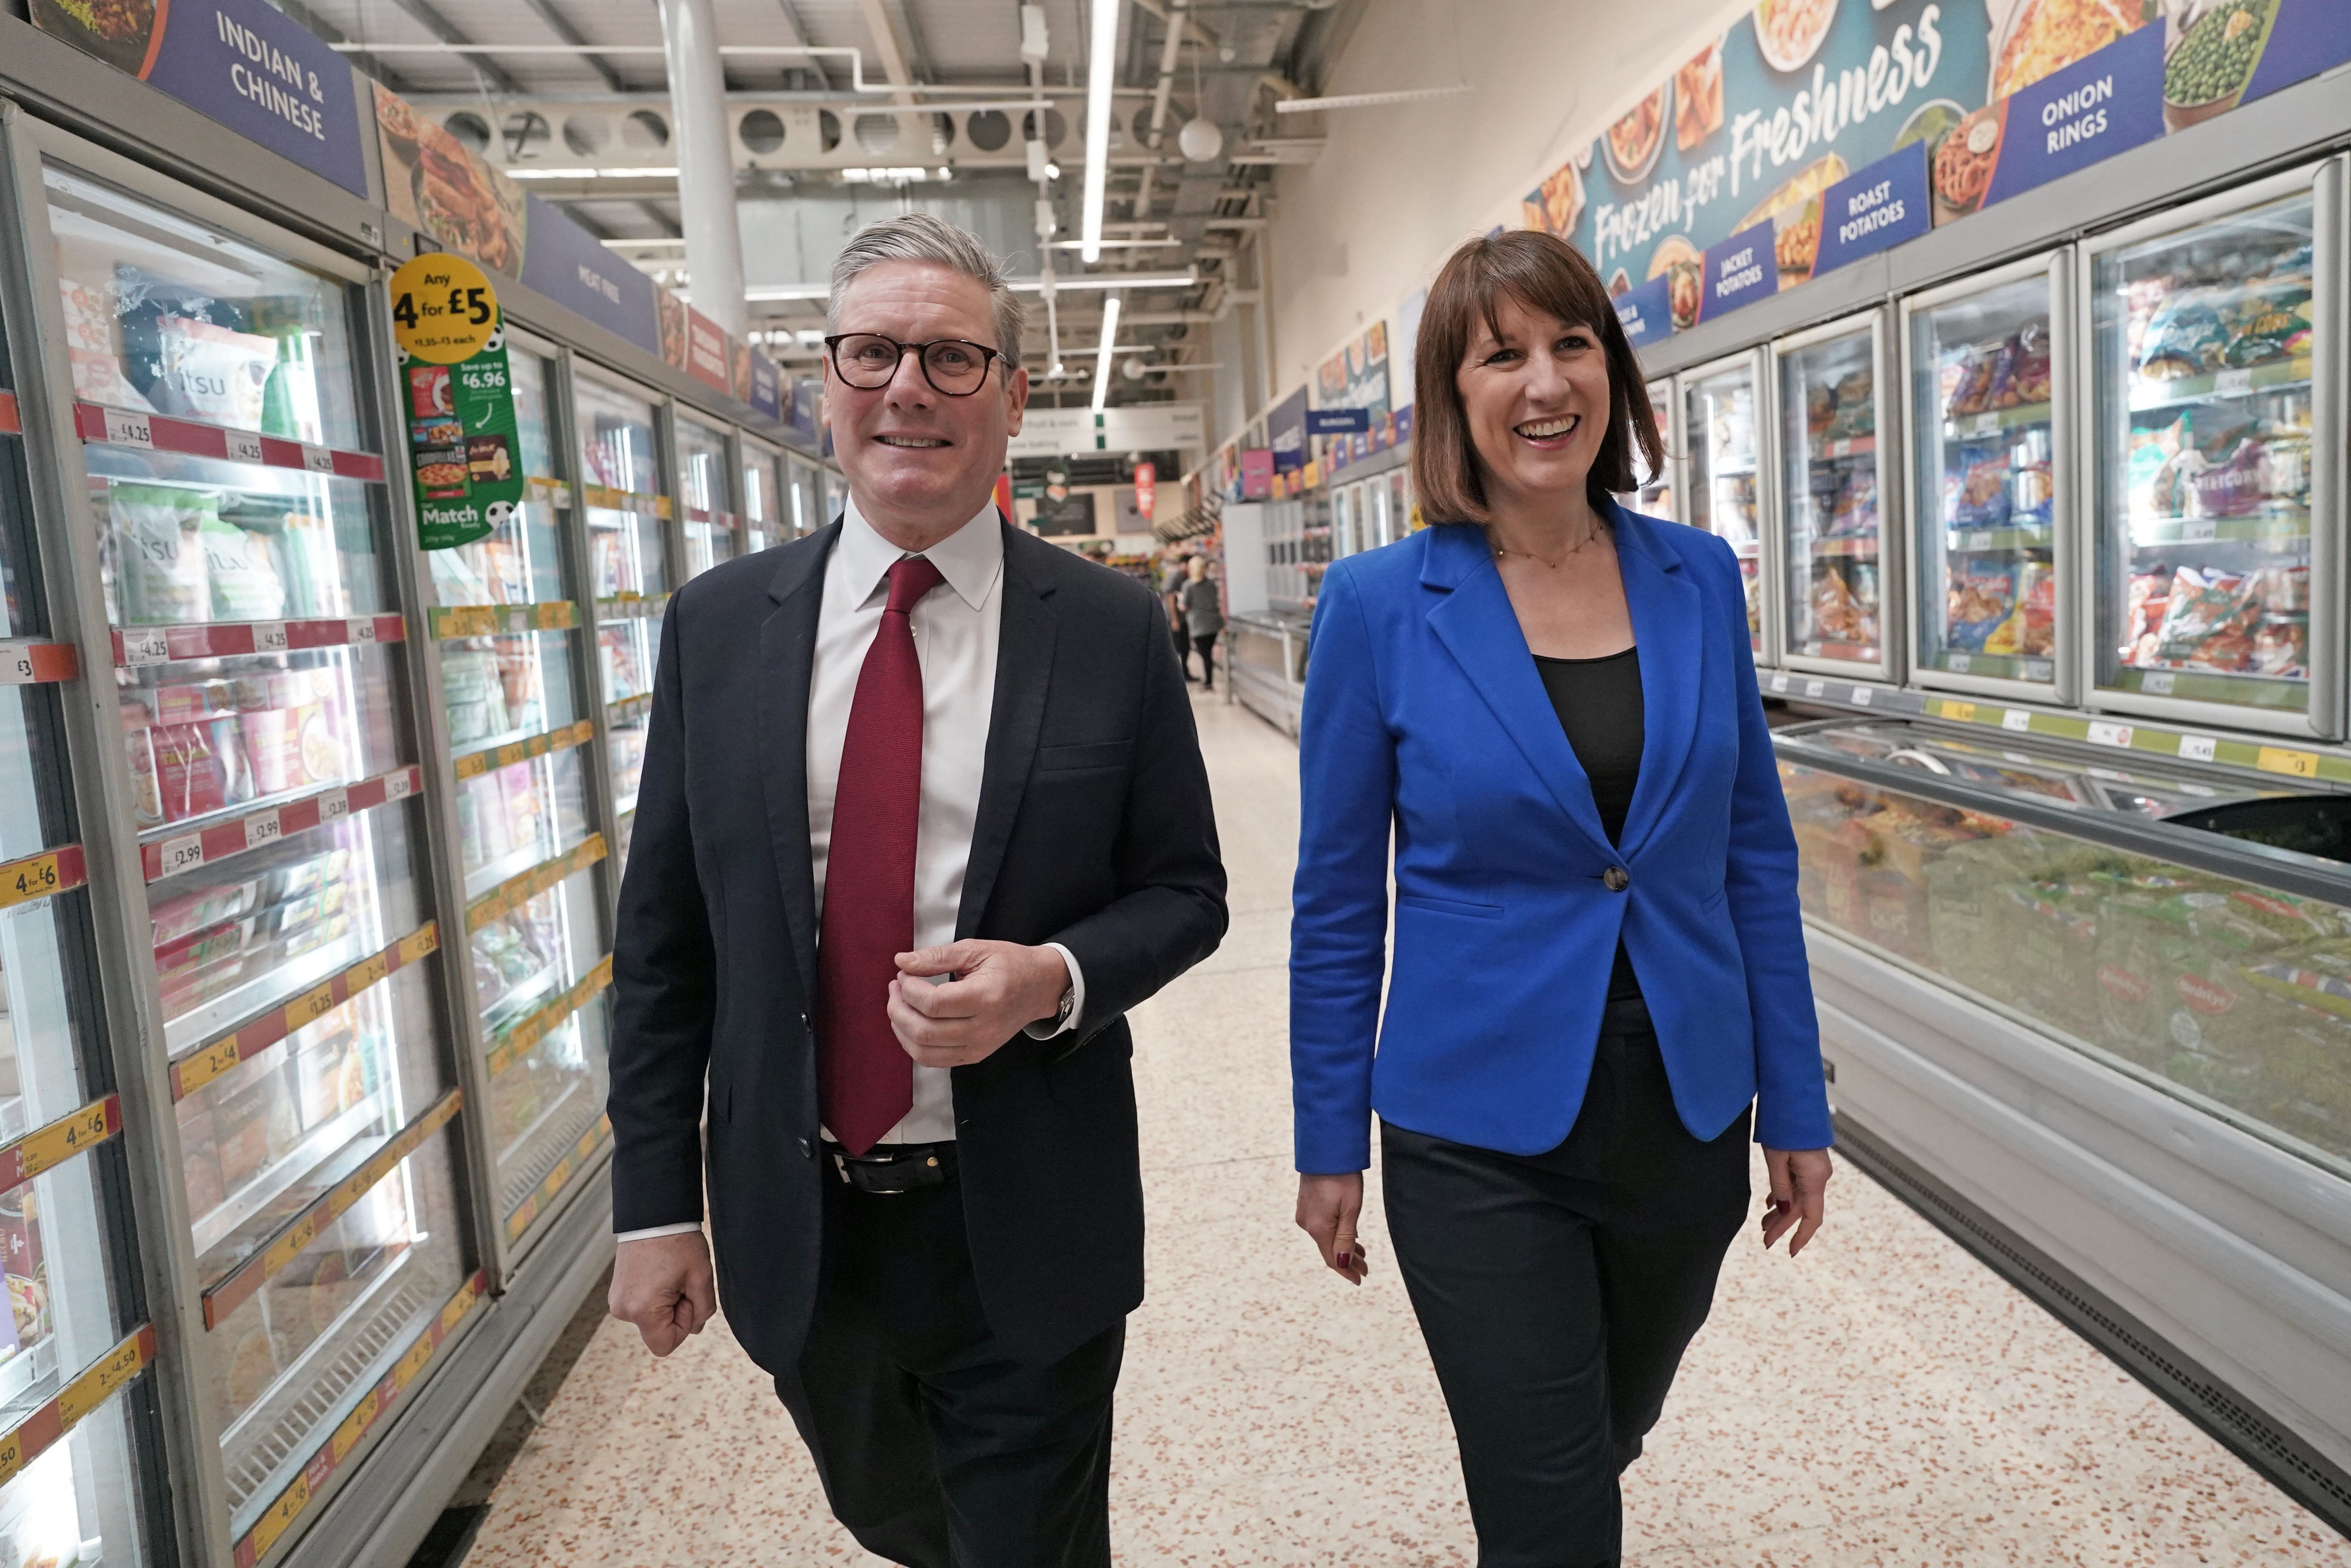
[1599, 705]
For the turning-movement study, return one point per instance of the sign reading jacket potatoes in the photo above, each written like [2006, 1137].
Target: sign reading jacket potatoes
[460, 394]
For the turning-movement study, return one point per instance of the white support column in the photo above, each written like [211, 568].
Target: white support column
[705, 163]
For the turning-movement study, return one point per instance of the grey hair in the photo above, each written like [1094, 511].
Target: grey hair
[923, 237]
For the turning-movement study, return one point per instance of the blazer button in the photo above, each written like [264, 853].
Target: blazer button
[1616, 878]
[804, 1153]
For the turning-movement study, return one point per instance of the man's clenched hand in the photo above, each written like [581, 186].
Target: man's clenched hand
[663, 1285]
[998, 990]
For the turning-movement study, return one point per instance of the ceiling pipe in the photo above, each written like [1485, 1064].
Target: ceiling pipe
[1160, 95]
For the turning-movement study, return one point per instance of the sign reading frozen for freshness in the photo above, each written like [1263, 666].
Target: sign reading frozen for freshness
[1997, 96]
[236, 61]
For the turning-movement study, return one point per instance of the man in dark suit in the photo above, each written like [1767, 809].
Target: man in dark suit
[923, 814]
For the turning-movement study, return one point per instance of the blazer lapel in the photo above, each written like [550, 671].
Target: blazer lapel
[1669, 626]
[1475, 622]
[787, 660]
[1024, 674]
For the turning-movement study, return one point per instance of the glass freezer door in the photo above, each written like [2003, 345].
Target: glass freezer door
[1654, 495]
[628, 572]
[1984, 491]
[763, 496]
[1720, 422]
[711, 526]
[1830, 489]
[2203, 458]
[271, 752]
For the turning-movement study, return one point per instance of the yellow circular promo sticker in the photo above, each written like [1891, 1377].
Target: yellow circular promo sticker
[443, 308]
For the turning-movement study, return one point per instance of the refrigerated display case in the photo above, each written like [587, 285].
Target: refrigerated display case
[803, 497]
[240, 508]
[626, 508]
[706, 485]
[2213, 412]
[764, 524]
[1985, 407]
[1346, 503]
[1722, 422]
[1831, 506]
[1653, 495]
[77, 1433]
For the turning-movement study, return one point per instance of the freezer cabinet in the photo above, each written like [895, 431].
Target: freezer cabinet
[239, 531]
[2214, 416]
[713, 531]
[1722, 423]
[2108, 1004]
[1986, 382]
[1831, 402]
[1653, 495]
[628, 512]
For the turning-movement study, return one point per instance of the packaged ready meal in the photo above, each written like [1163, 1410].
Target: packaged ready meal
[212, 373]
[245, 584]
[160, 551]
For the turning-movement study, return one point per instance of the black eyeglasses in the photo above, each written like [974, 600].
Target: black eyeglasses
[868, 361]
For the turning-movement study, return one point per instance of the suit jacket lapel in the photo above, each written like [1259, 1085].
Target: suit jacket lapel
[1479, 627]
[1669, 626]
[1024, 673]
[787, 660]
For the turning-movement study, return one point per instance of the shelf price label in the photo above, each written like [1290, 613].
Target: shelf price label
[2016, 719]
[2282, 760]
[182, 854]
[2228, 383]
[124, 428]
[2106, 733]
[2197, 748]
[243, 446]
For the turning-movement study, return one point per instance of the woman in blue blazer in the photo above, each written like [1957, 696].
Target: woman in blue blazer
[1545, 705]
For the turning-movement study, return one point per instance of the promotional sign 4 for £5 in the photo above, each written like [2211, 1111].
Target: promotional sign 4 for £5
[460, 400]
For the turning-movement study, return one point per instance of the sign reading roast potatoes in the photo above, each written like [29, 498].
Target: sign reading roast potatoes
[462, 440]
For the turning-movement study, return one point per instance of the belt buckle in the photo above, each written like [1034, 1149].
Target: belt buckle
[925, 1172]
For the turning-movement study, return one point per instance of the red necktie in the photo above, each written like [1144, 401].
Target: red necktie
[864, 1075]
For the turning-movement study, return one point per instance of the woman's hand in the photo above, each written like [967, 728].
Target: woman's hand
[1800, 1189]
[1328, 1210]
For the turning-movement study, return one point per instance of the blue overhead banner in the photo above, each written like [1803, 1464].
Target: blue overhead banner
[1647, 312]
[1337, 422]
[767, 386]
[1285, 430]
[2084, 114]
[1740, 271]
[578, 270]
[1879, 208]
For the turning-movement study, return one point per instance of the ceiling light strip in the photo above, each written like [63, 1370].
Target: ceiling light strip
[1103, 355]
[1101, 66]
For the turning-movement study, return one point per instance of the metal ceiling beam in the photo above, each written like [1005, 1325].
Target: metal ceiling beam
[887, 43]
[326, 30]
[561, 25]
[440, 26]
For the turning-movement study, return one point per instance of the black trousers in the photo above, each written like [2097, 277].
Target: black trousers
[1206, 641]
[1558, 1291]
[936, 1447]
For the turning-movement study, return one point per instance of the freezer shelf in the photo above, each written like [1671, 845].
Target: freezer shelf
[2232, 996]
[2204, 361]
[1828, 403]
[1985, 493]
[1719, 422]
[711, 532]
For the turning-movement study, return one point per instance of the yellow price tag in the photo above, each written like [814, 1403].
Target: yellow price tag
[281, 1514]
[29, 879]
[444, 308]
[1964, 713]
[11, 1456]
[2279, 760]
[355, 1425]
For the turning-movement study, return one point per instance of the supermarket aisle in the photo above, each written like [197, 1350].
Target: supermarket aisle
[1883, 1401]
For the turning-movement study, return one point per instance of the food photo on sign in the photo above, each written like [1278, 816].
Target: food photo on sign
[435, 183]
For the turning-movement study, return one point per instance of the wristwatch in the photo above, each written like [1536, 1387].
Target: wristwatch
[1069, 1005]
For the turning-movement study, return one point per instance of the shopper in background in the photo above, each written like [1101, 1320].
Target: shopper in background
[919, 745]
[1204, 616]
[1171, 594]
[1599, 968]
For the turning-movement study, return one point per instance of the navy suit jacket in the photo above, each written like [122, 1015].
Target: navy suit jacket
[1094, 830]
[1426, 725]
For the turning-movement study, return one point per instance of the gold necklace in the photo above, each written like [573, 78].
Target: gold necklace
[1530, 555]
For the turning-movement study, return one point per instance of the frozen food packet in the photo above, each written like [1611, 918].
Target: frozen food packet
[2231, 487]
[1983, 494]
[2281, 648]
[213, 373]
[162, 558]
[245, 584]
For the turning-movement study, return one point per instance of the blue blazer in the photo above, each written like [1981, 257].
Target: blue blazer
[1425, 716]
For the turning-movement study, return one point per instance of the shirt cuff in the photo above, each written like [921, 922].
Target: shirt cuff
[1045, 1028]
[649, 1232]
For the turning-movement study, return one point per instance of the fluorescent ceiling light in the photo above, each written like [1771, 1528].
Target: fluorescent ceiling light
[1364, 99]
[1109, 280]
[1101, 63]
[1101, 355]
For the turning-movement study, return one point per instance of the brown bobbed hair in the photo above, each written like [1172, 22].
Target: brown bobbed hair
[1543, 273]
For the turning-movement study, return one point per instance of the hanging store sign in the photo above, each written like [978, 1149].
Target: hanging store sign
[239, 62]
[1337, 422]
[1146, 490]
[1876, 209]
[1256, 474]
[767, 387]
[708, 359]
[1285, 430]
[463, 445]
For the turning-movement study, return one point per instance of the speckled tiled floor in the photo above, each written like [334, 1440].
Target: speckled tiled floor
[1882, 1401]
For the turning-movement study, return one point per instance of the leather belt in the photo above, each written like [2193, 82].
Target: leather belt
[889, 1168]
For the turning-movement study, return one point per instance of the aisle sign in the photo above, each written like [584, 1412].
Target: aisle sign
[1646, 312]
[1740, 271]
[239, 62]
[1875, 210]
[463, 443]
[2084, 114]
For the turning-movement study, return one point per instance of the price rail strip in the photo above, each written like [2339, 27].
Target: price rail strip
[294, 1238]
[491, 620]
[41, 1428]
[724, 519]
[474, 764]
[517, 890]
[45, 1148]
[628, 710]
[142, 645]
[158, 432]
[535, 1026]
[210, 1060]
[553, 491]
[52, 871]
[374, 1409]
[631, 606]
[11, 421]
[551, 1186]
[604, 498]
[187, 851]
[31, 661]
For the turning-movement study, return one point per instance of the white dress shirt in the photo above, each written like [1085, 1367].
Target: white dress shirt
[956, 628]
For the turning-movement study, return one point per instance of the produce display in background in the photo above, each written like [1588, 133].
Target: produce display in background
[2230, 992]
